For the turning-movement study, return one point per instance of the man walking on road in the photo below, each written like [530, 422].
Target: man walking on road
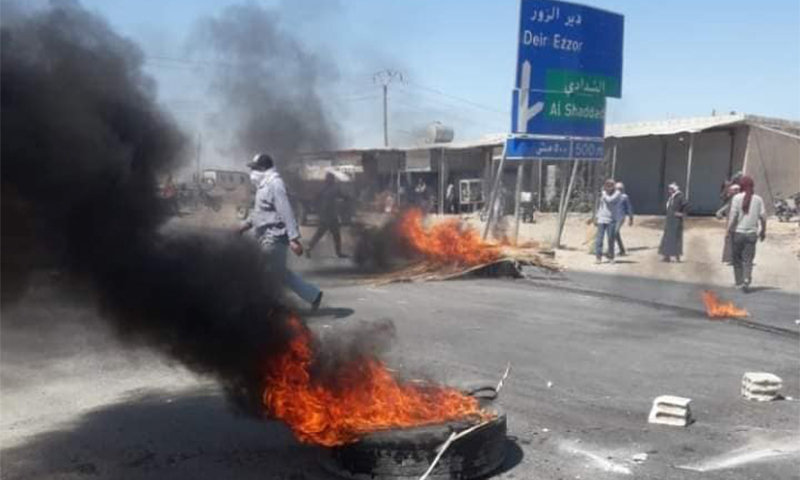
[275, 227]
[747, 212]
[605, 220]
[328, 215]
[624, 209]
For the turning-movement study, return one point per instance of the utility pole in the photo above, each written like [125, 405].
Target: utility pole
[384, 78]
[198, 149]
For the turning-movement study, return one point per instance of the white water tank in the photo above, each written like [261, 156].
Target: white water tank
[439, 133]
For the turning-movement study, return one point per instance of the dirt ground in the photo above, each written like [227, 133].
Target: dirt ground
[777, 259]
[777, 262]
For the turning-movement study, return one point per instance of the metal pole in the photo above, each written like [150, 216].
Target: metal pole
[539, 191]
[563, 216]
[384, 78]
[564, 208]
[197, 157]
[614, 160]
[442, 180]
[493, 192]
[385, 117]
[517, 192]
[689, 165]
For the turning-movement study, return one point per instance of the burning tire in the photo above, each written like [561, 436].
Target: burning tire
[406, 454]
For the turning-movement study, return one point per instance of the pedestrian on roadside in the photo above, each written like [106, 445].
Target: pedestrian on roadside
[672, 239]
[724, 193]
[624, 209]
[605, 220]
[747, 212]
[274, 226]
[723, 212]
[450, 198]
[327, 206]
[421, 194]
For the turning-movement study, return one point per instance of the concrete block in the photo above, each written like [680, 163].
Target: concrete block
[761, 386]
[671, 410]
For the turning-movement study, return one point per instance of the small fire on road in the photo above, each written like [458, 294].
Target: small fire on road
[449, 242]
[716, 308]
[361, 398]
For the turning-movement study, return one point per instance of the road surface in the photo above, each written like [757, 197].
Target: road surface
[588, 355]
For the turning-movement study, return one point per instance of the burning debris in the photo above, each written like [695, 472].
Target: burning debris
[83, 141]
[365, 397]
[715, 308]
[442, 251]
[449, 242]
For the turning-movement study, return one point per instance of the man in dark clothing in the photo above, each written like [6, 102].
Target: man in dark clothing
[328, 215]
[624, 209]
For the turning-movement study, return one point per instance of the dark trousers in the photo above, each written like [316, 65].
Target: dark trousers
[743, 251]
[324, 227]
[618, 237]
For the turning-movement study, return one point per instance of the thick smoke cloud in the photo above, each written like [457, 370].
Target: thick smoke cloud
[82, 142]
[268, 86]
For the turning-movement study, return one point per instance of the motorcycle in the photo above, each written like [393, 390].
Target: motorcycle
[784, 210]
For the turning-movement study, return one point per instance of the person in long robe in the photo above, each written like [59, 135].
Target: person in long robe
[672, 240]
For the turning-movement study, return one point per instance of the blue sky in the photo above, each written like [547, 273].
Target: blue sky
[681, 58]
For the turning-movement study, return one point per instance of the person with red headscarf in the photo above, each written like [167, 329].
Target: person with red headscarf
[746, 215]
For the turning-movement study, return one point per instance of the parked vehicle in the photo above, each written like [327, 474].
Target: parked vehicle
[787, 208]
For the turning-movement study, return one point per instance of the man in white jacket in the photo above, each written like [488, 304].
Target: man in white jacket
[275, 227]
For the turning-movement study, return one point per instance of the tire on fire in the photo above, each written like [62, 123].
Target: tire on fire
[404, 454]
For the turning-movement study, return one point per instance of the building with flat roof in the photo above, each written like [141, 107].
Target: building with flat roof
[697, 153]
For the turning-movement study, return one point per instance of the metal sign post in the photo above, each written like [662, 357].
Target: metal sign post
[569, 59]
[517, 193]
[493, 193]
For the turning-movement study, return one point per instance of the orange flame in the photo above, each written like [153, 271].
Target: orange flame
[715, 308]
[366, 397]
[446, 242]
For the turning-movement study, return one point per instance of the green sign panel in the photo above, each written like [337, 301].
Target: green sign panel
[569, 82]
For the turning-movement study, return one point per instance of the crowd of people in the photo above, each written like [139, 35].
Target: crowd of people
[273, 225]
[744, 211]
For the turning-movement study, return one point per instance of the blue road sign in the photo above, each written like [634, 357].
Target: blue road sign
[569, 60]
[572, 45]
[587, 149]
[520, 148]
[558, 114]
[532, 148]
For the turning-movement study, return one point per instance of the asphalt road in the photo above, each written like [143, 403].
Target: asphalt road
[587, 361]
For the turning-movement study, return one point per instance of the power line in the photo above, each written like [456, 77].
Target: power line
[449, 106]
[424, 109]
[460, 99]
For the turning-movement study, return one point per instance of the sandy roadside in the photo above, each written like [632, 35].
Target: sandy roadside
[777, 261]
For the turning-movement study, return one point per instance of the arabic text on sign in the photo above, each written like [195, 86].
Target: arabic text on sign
[559, 42]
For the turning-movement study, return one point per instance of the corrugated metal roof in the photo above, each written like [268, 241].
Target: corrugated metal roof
[696, 124]
[637, 129]
[671, 127]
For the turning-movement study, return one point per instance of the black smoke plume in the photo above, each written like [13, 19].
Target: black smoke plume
[83, 140]
[380, 249]
[269, 86]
